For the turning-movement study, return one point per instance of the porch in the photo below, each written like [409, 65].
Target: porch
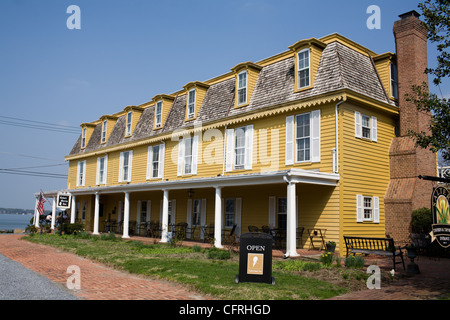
[216, 209]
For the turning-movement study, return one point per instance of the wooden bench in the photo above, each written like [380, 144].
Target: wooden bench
[377, 246]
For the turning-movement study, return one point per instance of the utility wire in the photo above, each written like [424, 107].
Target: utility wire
[40, 122]
[39, 127]
[29, 156]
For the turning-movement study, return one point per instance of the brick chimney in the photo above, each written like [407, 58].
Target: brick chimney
[406, 192]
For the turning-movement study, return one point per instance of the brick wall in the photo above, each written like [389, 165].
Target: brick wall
[406, 192]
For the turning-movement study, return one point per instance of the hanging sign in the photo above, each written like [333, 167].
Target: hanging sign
[441, 216]
[63, 201]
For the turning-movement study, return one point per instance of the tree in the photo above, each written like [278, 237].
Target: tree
[436, 14]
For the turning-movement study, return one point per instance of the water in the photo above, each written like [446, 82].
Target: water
[14, 221]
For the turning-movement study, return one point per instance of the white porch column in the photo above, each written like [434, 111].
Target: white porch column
[126, 216]
[218, 219]
[52, 226]
[96, 212]
[165, 217]
[36, 214]
[73, 209]
[291, 232]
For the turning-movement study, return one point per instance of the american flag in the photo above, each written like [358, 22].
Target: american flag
[40, 205]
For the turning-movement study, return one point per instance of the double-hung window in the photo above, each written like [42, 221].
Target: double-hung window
[102, 164]
[196, 212]
[129, 119]
[366, 127]
[83, 138]
[191, 104]
[282, 213]
[239, 148]
[303, 137]
[125, 166]
[104, 128]
[367, 209]
[158, 117]
[155, 161]
[188, 155]
[394, 81]
[230, 212]
[303, 65]
[81, 173]
[242, 88]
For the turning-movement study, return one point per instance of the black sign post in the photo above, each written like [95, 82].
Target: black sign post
[255, 258]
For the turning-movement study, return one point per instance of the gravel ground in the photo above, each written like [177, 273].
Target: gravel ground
[20, 283]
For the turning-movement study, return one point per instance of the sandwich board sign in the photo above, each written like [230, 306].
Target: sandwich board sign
[441, 216]
[63, 200]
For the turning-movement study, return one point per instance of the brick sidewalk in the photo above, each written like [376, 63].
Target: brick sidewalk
[98, 282]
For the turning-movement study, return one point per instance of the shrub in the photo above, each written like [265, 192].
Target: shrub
[197, 248]
[421, 221]
[72, 228]
[218, 254]
[326, 258]
[356, 262]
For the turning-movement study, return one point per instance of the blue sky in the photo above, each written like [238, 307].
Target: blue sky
[126, 52]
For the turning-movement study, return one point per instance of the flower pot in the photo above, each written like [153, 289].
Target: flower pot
[330, 247]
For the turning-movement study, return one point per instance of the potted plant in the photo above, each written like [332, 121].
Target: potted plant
[330, 246]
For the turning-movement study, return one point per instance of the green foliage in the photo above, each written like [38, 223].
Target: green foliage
[73, 228]
[197, 248]
[421, 221]
[217, 254]
[356, 262]
[326, 258]
[297, 265]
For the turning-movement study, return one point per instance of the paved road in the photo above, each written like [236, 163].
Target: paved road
[20, 283]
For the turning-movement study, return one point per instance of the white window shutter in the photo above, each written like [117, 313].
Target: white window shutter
[84, 173]
[97, 177]
[162, 153]
[359, 208]
[248, 147]
[289, 154]
[189, 217]
[180, 157]
[194, 155]
[203, 216]
[238, 218]
[374, 129]
[149, 210]
[78, 174]
[358, 125]
[149, 162]
[121, 167]
[130, 164]
[230, 149]
[315, 136]
[174, 211]
[105, 170]
[376, 209]
[272, 208]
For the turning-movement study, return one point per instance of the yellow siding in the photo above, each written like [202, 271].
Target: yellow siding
[364, 169]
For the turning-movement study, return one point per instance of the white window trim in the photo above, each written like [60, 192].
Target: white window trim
[392, 80]
[105, 170]
[373, 122]
[83, 177]
[375, 216]
[230, 149]
[104, 128]
[130, 166]
[194, 156]
[245, 87]
[315, 138]
[158, 114]
[298, 68]
[129, 123]
[161, 155]
[83, 138]
[190, 114]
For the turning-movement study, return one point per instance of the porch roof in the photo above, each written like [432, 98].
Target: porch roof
[292, 175]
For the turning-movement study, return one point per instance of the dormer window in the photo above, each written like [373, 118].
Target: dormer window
[303, 80]
[191, 104]
[129, 117]
[242, 88]
[83, 138]
[104, 127]
[158, 114]
[394, 81]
